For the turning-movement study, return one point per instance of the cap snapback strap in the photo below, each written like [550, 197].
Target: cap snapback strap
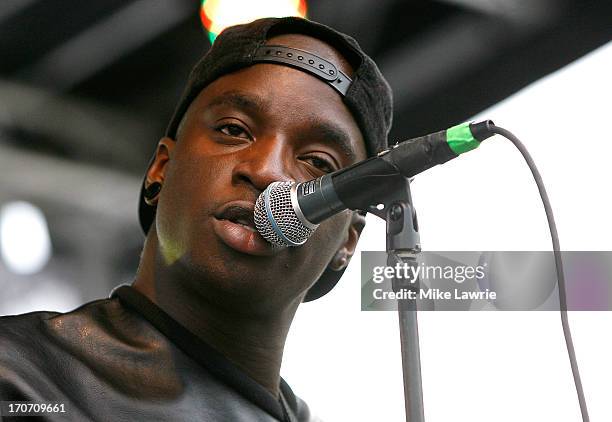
[309, 62]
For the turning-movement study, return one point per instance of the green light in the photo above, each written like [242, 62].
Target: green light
[216, 15]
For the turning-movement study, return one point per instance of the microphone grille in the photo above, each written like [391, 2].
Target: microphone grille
[275, 218]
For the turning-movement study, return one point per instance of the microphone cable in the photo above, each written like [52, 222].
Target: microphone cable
[558, 262]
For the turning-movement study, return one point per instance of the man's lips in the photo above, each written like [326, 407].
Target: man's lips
[234, 224]
[238, 212]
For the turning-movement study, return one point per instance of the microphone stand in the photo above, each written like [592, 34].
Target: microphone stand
[403, 245]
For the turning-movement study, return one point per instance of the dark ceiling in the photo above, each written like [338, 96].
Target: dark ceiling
[97, 81]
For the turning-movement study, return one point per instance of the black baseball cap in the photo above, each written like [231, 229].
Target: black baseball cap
[367, 94]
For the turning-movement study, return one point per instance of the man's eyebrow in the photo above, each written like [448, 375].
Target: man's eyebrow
[333, 135]
[240, 100]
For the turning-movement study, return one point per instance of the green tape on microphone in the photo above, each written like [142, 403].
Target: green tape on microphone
[460, 138]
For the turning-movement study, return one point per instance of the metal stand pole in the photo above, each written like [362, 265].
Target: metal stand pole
[411, 366]
[403, 245]
[402, 248]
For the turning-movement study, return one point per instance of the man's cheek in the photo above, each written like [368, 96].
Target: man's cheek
[204, 177]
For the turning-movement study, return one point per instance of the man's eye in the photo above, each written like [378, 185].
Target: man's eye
[233, 131]
[320, 163]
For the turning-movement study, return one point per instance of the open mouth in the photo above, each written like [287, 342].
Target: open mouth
[238, 215]
[234, 224]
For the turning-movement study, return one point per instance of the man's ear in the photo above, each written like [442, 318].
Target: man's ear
[156, 173]
[346, 251]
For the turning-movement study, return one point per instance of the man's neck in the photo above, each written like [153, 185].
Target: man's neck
[254, 343]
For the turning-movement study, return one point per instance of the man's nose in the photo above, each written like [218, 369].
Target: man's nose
[264, 162]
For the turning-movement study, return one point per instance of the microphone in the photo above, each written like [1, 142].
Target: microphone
[287, 213]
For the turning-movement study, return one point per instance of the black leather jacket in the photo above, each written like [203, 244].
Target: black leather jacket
[124, 359]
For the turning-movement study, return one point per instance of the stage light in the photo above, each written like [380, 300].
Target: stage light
[25, 245]
[216, 15]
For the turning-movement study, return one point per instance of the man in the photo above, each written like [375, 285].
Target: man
[200, 333]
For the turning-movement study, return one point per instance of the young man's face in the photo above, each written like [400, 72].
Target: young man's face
[247, 129]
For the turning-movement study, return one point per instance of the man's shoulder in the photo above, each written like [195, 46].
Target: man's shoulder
[40, 345]
[27, 330]
[303, 412]
[13, 327]
[298, 406]
[21, 338]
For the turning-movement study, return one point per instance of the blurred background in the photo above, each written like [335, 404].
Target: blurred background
[87, 88]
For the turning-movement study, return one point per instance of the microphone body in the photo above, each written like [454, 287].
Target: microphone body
[357, 186]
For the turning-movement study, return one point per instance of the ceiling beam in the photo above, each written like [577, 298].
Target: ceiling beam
[105, 42]
[75, 128]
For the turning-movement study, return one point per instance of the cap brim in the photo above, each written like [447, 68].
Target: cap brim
[324, 284]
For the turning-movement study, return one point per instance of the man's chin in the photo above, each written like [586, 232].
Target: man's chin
[249, 294]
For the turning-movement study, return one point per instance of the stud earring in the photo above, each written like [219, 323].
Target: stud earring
[152, 191]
